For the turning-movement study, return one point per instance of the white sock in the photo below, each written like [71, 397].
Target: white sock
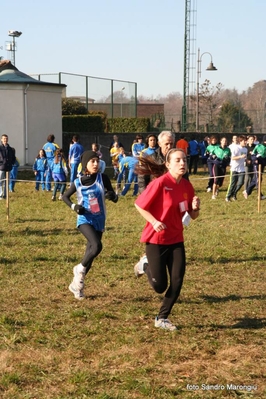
[81, 268]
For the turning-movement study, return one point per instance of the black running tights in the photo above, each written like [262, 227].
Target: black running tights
[160, 259]
[94, 244]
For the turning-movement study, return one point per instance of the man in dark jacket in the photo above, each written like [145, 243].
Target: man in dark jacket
[7, 159]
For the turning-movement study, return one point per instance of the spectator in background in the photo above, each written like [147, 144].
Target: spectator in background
[203, 145]
[208, 153]
[151, 145]
[13, 173]
[7, 160]
[59, 173]
[74, 155]
[115, 140]
[95, 148]
[237, 168]
[220, 160]
[258, 158]
[182, 143]
[194, 151]
[128, 163]
[40, 168]
[114, 153]
[249, 163]
[138, 146]
[50, 147]
[165, 143]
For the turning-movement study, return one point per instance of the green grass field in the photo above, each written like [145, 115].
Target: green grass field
[106, 347]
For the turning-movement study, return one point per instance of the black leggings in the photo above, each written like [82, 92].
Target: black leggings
[94, 244]
[160, 259]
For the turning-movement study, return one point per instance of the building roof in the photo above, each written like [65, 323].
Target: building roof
[10, 74]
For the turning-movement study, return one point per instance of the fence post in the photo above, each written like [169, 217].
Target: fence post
[7, 195]
[259, 188]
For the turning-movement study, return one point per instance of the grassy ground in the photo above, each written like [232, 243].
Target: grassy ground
[106, 347]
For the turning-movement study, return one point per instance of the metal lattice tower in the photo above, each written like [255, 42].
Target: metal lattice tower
[189, 59]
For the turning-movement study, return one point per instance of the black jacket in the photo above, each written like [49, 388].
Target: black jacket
[7, 157]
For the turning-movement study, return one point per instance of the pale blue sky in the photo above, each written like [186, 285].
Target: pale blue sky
[138, 40]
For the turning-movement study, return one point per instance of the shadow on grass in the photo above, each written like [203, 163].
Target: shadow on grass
[245, 323]
[216, 299]
[45, 232]
[250, 323]
[224, 260]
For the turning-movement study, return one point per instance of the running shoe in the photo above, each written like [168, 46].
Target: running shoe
[165, 324]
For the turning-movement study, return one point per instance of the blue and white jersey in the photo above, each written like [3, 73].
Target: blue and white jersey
[75, 152]
[50, 149]
[40, 164]
[127, 163]
[137, 148]
[97, 220]
[148, 151]
[59, 168]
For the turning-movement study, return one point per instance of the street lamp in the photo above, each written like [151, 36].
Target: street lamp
[123, 88]
[12, 46]
[211, 67]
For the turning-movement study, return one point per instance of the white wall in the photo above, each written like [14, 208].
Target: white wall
[28, 114]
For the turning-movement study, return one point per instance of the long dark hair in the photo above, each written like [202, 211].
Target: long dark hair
[149, 166]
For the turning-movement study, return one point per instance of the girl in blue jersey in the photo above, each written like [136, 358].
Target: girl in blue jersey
[91, 189]
[59, 173]
[40, 167]
[138, 146]
[151, 145]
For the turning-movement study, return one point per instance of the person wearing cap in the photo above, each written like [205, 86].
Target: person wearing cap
[91, 189]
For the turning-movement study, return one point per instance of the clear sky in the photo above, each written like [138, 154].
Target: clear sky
[138, 40]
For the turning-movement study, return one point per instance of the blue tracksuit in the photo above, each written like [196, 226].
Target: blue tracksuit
[13, 175]
[40, 166]
[75, 152]
[128, 163]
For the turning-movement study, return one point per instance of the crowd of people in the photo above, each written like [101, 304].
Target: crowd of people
[242, 157]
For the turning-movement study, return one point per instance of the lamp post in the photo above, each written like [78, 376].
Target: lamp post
[123, 88]
[12, 46]
[211, 67]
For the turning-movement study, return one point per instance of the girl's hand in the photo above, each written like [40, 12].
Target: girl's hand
[158, 226]
[195, 203]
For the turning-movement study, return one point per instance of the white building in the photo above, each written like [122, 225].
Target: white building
[30, 110]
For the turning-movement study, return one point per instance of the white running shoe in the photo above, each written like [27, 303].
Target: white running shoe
[78, 294]
[213, 196]
[164, 324]
[139, 267]
[78, 278]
